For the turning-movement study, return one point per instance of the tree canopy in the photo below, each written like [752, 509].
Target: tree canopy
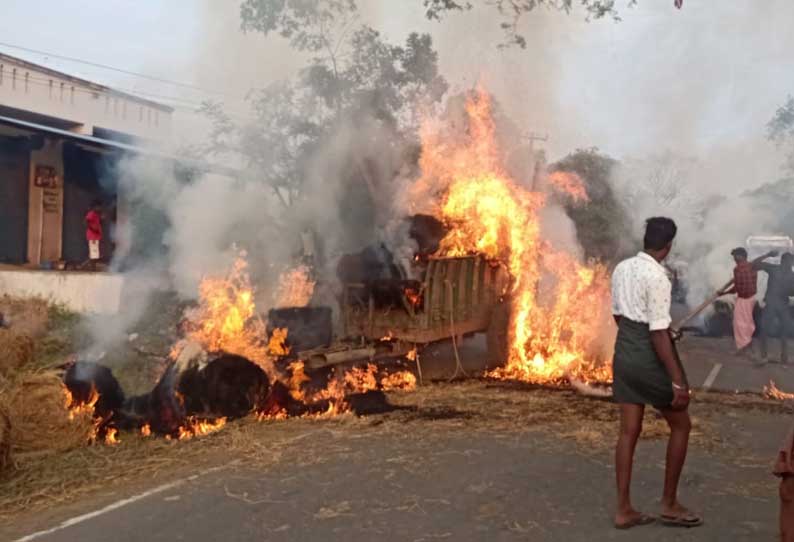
[781, 129]
[352, 72]
[512, 11]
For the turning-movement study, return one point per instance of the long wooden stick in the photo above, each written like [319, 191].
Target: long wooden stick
[700, 308]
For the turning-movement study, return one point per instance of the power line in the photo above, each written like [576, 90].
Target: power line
[112, 68]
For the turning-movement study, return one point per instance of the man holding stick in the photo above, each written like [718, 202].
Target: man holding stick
[745, 286]
[647, 371]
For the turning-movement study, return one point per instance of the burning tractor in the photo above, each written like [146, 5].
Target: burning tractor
[480, 264]
[385, 318]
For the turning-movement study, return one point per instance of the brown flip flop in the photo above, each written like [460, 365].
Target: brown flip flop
[687, 520]
[642, 519]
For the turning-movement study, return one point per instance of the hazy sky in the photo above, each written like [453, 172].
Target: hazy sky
[702, 81]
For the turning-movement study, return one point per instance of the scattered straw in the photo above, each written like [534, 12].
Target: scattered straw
[5, 441]
[28, 316]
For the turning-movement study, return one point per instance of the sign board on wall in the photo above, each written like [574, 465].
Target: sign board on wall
[46, 177]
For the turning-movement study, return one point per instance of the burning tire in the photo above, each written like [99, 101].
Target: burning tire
[498, 334]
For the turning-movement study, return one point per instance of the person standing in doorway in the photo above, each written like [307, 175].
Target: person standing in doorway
[93, 233]
[745, 286]
[647, 371]
[779, 287]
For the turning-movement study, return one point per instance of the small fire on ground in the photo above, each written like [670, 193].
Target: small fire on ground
[771, 391]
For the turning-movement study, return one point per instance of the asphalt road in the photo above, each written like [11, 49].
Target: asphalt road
[462, 489]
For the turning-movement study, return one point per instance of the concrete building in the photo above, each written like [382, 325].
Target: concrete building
[45, 96]
[59, 137]
[58, 134]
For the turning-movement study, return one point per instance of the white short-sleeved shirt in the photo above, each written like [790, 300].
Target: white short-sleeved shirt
[641, 291]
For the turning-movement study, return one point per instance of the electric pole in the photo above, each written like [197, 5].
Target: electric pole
[532, 137]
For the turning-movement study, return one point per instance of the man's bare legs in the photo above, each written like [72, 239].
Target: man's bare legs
[630, 428]
[680, 426]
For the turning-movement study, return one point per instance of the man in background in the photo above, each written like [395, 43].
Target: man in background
[93, 233]
[745, 286]
[780, 287]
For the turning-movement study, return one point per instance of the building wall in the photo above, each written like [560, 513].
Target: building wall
[14, 159]
[82, 106]
[80, 292]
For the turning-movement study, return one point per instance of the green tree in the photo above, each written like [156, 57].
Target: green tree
[352, 76]
[512, 11]
[781, 129]
[602, 225]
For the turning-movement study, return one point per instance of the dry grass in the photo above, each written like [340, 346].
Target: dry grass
[41, 422]
[16, 351]
[5, 441]
[28, 316]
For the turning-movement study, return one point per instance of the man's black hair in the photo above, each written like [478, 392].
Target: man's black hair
[739, 251]
[96, 202]
[659, 232]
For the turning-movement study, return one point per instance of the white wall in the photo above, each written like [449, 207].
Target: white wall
[81, 104]
[80, 292]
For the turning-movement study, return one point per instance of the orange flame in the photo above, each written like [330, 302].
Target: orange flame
[111, 436]
[195, 427]
[296, 380]
[360, 380]
[773, 392]
[571, 184]
[295, 288]
[413, 296]
[278, 342]
[226, 319]
[557, 303]
[146, 430]
[403, 380]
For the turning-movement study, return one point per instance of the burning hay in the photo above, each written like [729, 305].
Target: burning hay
[16, 351]
[44, 417]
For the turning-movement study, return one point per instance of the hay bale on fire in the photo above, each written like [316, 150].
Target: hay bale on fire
[226, 387]
[17, 351]
[43, 416]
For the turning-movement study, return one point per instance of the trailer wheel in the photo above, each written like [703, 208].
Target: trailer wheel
[497, 335]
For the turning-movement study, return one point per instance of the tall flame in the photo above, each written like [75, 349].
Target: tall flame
[295, 287]
[557, 303]
[227, 318]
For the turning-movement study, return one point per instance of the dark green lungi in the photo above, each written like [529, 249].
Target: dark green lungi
[639, 376]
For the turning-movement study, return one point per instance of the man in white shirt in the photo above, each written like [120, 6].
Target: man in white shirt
[647, 371]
